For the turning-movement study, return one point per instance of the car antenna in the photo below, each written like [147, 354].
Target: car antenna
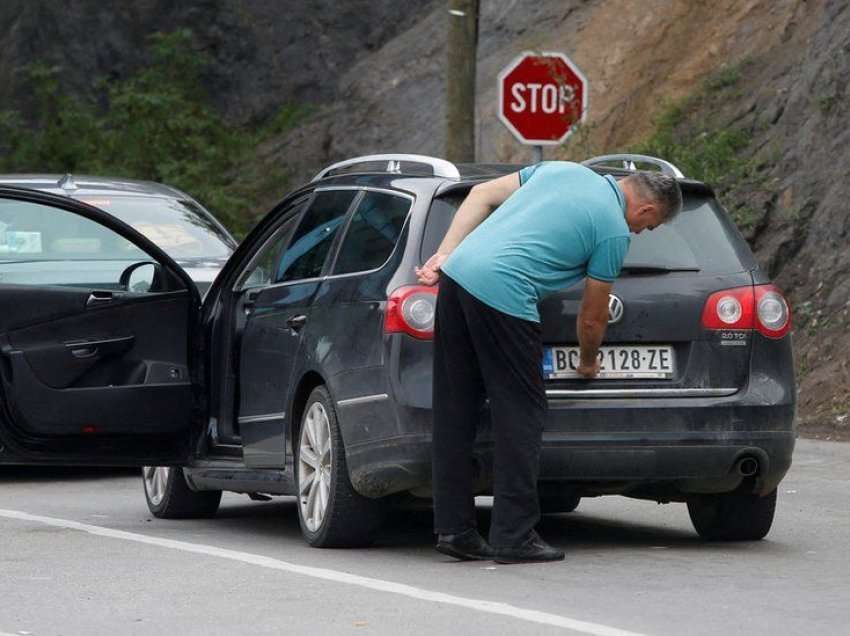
[67, 182]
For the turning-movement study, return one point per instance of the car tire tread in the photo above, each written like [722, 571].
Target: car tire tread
[351, 520]
[732, 516]
[181, 502]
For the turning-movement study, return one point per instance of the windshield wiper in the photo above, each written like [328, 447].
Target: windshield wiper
[646, 268]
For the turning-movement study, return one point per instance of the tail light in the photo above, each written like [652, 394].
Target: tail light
[773, 312]
[411, 310]
[762, 307]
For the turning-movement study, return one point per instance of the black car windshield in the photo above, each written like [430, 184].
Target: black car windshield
[180, 228]
[698, 239]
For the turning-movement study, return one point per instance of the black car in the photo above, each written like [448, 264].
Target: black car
[307, 369]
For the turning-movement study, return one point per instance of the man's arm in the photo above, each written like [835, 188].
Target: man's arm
[591, 324]
[477, 206]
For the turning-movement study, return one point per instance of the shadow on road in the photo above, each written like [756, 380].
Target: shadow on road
[410, 529]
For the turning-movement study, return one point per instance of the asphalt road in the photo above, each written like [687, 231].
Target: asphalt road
[632, 567]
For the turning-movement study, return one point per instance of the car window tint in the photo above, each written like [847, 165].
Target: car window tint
[437, 224]
[43, 245]
[312, 241]
[263, 267]
[372, 233]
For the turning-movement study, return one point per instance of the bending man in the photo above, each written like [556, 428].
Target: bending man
[514, 240]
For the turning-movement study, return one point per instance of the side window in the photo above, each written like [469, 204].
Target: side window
[373, 232]
[263, 269]
[43, 245]
[312, 241]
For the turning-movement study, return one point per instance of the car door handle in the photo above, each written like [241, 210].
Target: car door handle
[296, 322]
[82, 349]
[101, 297]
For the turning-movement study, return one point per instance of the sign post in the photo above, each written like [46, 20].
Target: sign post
[542, 96]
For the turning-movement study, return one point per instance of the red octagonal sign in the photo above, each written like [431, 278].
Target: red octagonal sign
[542, 96]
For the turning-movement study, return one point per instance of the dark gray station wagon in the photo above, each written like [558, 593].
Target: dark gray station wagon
[307, 369]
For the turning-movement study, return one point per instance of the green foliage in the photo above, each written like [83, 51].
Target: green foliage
[826, 103]
[705, 150]
[156, 125]
[726, 77]
[63, 131]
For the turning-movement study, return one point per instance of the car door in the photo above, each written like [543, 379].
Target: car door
[277, 311]
[95, 352]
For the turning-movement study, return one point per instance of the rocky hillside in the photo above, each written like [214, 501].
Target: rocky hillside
[772, 73]
[263, 54]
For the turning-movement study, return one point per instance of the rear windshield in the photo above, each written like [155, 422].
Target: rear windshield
[699, 238]
[696, 239]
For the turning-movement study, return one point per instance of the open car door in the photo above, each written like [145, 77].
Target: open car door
[96, 339]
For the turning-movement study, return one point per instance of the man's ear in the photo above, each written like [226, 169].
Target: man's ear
[648, 209]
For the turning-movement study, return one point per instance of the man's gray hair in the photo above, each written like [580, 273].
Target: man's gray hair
[660, 188]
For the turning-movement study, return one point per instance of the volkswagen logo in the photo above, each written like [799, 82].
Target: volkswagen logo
[615, 309]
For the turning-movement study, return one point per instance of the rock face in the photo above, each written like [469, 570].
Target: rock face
[374, 70]
[264, 54]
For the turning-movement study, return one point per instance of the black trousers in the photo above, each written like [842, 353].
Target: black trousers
[481, 352]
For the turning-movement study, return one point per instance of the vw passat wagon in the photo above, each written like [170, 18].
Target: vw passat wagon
[306, 371]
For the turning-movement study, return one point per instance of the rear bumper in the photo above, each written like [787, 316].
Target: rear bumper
[662, 453]
[662, 447]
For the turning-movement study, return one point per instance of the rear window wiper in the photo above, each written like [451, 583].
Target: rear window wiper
[647, 268]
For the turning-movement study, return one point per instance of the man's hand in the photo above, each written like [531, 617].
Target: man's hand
[429, 273]
[589, 372]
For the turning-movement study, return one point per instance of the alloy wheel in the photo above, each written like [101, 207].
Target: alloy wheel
[314, 466]
[156, 480]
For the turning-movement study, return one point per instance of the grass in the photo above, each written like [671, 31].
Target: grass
[687, 133]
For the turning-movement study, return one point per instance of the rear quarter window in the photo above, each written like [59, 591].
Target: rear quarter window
[372, 233]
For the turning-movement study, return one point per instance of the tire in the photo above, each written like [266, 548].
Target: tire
[169, 496]
[331, 513]
[733, 516]
[555, 504]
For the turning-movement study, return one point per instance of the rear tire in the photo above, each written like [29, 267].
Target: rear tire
[732, 516]
[169, 496]
[555, 504]
[331, 513]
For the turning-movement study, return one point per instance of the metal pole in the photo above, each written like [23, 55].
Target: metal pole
[460, 80]
[536, 154]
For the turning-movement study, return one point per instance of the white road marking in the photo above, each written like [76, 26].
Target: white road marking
[490, 607]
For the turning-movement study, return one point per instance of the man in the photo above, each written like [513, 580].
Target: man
[514, 240]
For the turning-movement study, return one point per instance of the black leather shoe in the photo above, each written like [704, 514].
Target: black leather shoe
[466, 546]
[532, 550]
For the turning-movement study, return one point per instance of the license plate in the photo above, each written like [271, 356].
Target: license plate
[644, 361]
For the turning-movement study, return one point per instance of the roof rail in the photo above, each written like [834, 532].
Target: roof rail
[628, 162]
[441, 167]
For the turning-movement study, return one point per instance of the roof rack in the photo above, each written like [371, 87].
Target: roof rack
[627, 162]
[441, 167]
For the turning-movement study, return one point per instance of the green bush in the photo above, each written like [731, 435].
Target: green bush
[688, 134]
[156, 125]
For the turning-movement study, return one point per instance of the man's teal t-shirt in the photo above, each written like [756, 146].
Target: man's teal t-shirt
[565, 222]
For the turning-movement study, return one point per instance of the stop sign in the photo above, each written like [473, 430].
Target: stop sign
[541, 97]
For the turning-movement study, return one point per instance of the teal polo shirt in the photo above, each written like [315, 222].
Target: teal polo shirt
[564, 223]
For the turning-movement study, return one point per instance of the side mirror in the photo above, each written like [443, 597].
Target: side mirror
[143, 277]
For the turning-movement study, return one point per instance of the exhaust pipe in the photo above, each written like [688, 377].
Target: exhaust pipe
[747, 466]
